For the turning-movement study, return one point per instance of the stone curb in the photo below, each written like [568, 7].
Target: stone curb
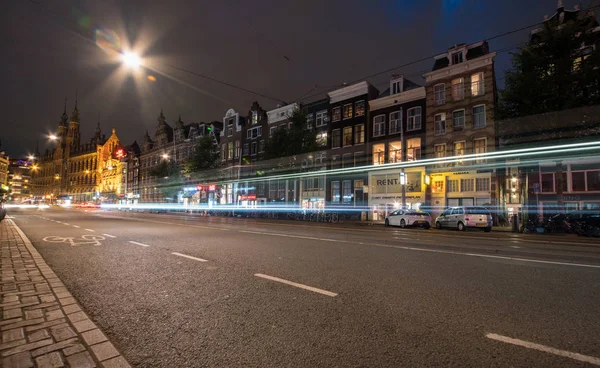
[55, 331]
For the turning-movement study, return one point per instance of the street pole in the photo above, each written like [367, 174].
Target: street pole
[402, 159]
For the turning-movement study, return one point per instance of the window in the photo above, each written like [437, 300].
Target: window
[378, 125]
[593, 180]
[457, 58]
[224, 151]
[482, 184]
[336, 141]
[578, 181]
[479, 148]
[585, 181]
[477, 87]
[395, 122]
[230, 127]
[347, 111]
[320, 158]
[245, 151]
[378, 154]
[359, 134]
[458, 118]
[359, 158]
[254, 117]
[322, 118]
[335, 192]
[348, 196]
[439, 93]
[336, 113]
[466, 185]
[230, 150]
[335, 161]
[479, 116]
[253, 148]
[254, 133]
[396, 86]
[322, 138]
[413, 119]
[395, 151]
[440, 152]
[347, 160]
[440, 123]
[458, 89]
[547, 182]
[459, 149]
[261, 146]
[413, 149]
[452, 186]
[360, 108]
[438, 186]
[310, 118]
[347, 136]
[272, 131]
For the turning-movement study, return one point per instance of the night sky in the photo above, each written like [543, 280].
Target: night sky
[278, 48]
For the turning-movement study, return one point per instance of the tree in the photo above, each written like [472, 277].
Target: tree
[206, 156]
[300, 138]
[169, 179]
[554, 72]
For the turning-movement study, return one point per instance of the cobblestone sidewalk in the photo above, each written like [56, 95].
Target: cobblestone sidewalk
[42, 325]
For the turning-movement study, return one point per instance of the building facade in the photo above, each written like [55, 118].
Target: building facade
[4, 162]
[461, 99]
[19, 180]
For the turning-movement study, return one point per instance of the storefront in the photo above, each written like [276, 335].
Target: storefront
[461, 188]
[385, 191]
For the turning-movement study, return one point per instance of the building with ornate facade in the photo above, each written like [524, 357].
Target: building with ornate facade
[3, 168]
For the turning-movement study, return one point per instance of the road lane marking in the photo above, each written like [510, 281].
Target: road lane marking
[190, 257]
[291, 283]
[64, 223]
[142, 244]
[89, 230]
[294, 236]
[75, 226]
[544, 348]
[110, 236]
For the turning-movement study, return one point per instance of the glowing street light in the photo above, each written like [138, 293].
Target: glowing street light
[130, 59]
[31, 157]
[165, 156]
[52, 137]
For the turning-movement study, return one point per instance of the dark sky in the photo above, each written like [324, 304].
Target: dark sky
[48, 51]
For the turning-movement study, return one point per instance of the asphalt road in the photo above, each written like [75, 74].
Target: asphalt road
[384, 297]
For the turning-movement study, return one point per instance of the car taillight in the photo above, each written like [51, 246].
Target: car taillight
[466, 219]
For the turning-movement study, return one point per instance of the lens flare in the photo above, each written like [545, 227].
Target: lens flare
[108, 40]
[130, 59]
[152, 78]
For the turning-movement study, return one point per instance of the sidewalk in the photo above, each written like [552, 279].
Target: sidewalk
[42, 325]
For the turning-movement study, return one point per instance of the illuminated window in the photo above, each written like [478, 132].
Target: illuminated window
[322, 138]
[335, 192]
[360, 108]
[347, 111]
[230, 150]
[395, 122]
[458, 89]
[359, 134]
[378, 125]
[477, 86]
[336, 139]
[347, 136]
[413, 149]
[458, 118]
[413, 118]
[479, 116]
[459, 149]
[336, 113]
[479, 147]
[440, 152]
[378, 154]
[438, 186]
[254, 117]
[439, 92]
[348, 195]
[440, 124]
[395, 151]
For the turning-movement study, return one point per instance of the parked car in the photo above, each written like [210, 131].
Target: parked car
[462, 218]
[406, 218]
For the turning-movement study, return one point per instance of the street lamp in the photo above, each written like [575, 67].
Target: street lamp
[52, 137]
[31, 157]
[131, 60]
[165, 156]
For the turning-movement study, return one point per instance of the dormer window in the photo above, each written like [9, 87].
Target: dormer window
[254, 117]
[457, 57]
[396, 85]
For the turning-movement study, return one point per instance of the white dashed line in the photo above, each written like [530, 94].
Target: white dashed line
[190, 257]
[75, 226]
[544, 348]
[110, 236]
[89, 230]
[64, 223]
[294, 236]
[301, 286]
[142, 244]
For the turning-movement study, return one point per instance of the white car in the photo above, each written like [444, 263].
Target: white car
[406, 218]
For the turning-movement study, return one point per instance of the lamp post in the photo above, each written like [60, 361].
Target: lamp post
[403, 159]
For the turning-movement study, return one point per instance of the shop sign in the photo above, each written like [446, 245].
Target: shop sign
[390, 183]
[249, 197]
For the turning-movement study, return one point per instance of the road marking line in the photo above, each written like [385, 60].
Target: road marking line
[294, 236]
[110, 236]
[291, 283]
[89, 230]
[544, 348]
[142, 244]
[190, 257]
[75, 226]
[64, 223]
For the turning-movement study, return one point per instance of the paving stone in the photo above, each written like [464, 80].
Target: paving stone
[73, 349]
[54, 347]
[12, 344]
[52, 360]
[12, 313]
[67, 301]
[9, 299]
[117, 362]
[45, 325]
[12, 335]
[83, 326]
[21, 360]
[81, 360]
[54, 314]
[104, 350]
[38, 335]
[93, 337]
[76, 317]
[22, 324]
[26, 347]
[68, 309]
[10, 321]
[62, 332]
[46, 298]
[41, 306]
[29, 299]
[36, 313]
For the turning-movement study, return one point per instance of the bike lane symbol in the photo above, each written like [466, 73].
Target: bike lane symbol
[74, 242]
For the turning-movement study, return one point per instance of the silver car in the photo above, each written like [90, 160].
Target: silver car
[462, 218]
